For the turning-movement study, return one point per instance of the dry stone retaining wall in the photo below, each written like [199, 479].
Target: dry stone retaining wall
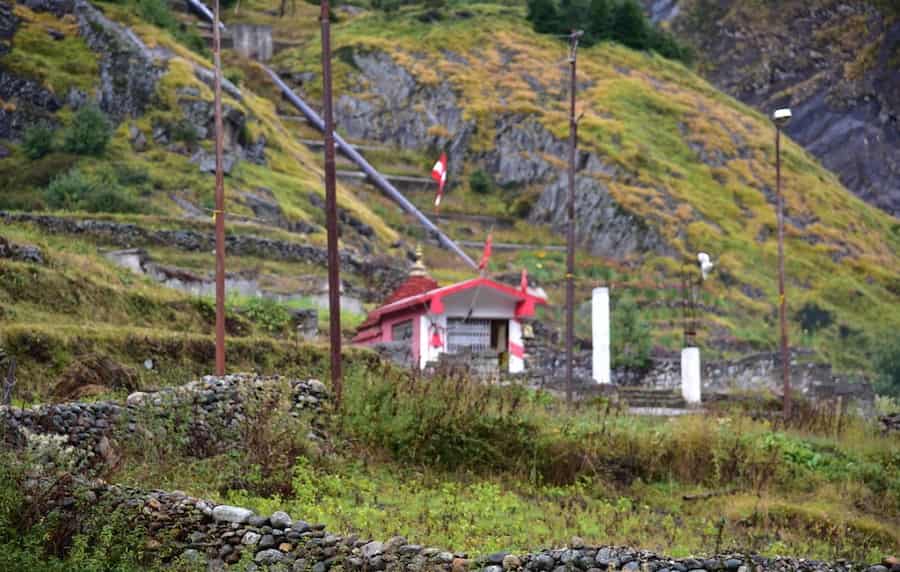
[211, 408]
[216, 536]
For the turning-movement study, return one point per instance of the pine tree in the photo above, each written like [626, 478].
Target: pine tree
[629, 25]
[600, 25]
[573, 15]
[544, 16]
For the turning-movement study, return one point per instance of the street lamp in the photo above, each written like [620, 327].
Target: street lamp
[781, 118]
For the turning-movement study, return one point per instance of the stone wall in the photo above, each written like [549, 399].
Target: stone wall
[545, 365]
[202, 532]
[211, 410]
[192, 530]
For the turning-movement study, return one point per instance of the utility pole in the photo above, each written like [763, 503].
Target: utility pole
[570, 209]
[334, 280]
[219, 211]
[781, 118]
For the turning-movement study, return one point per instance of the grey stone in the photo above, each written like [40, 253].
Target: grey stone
[496, 557]
[280, 519]
[250, 537]
[493, 568]
[270, 556]
[226, 513]
[632, 566]
[267, 541]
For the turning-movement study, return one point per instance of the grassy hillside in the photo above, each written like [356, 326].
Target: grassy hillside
[695, 165]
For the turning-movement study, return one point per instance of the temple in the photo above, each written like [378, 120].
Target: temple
[476, 316]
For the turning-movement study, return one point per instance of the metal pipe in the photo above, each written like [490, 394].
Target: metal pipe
[353, 155]
[220, 200]
[782, 301]
[376, 177]
[334, 280]
[201, 7]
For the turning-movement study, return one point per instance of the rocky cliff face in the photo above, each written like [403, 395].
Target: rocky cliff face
[390, 105]
[836, 63]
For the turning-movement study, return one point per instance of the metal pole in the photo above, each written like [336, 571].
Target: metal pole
[782, 303]
[570, 231]
[220, 200]
[334, 280]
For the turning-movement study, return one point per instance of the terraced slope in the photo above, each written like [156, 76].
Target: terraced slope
[668, 166]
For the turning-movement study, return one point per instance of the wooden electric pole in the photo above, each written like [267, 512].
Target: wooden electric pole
[220, 198]
[334, 279]
[570, 209]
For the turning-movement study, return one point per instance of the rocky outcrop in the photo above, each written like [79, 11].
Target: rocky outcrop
[834, 62]
[390, 104]
[20, 252]
[128, 70]
[402, 110]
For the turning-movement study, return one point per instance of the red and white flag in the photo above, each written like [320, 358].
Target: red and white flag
[439, 174]
[486, 255]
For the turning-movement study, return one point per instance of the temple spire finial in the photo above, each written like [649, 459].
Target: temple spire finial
[418, 268]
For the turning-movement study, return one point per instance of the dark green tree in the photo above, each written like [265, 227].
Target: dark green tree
[600, 24]
[630, 26]
[544, 16]
[573, 15]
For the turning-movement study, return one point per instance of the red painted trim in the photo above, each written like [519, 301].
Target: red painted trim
[516, 350]
[453, 289]
[437, 305]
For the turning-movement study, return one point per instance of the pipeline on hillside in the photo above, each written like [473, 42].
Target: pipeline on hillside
[377, 178]
[204, 11]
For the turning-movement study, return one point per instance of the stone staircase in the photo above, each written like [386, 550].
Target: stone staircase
[647, 398]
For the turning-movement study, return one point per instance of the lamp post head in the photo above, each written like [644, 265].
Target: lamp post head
[782, 116]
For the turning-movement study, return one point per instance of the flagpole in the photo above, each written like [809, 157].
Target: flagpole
[570, 231]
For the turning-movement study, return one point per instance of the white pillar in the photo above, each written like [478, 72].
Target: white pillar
[516, 347]
[600, 335]
[690, 375]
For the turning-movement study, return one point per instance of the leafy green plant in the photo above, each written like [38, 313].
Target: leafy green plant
[68, 191]
[480, 182]
[268, 313]
[89, 132]
[76, 191]
[37, 141]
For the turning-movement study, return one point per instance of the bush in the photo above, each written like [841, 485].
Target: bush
[887, 364]
[631, 341]
[38, 141]
[480, 182]
[89, 132]
[157, 12]
[75, 191]
[67, 191]
[268, 313]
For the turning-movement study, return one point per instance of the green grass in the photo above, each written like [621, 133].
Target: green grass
[501, 469]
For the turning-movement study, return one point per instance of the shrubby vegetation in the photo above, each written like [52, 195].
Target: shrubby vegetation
[89, 132]
[38, 141]
[887, 365]
[621, 21]
[99, 192]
